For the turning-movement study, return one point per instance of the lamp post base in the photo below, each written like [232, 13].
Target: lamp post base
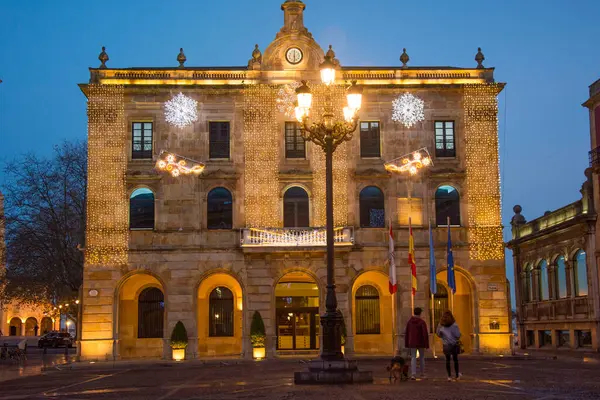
[321, 372]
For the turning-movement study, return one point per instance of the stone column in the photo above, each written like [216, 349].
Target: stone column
[535, 283]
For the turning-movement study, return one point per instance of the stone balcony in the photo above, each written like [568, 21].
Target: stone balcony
[557, 310]
[294, 237]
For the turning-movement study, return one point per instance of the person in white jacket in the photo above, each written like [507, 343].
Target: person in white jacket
[450, 334]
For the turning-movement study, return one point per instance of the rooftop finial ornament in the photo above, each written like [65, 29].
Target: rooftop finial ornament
[256, 60]
[404, 58]
[103, 57]
[331, 54]
[181, 58]
[479, 58]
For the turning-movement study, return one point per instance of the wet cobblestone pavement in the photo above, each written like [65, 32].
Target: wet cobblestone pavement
[483, 379]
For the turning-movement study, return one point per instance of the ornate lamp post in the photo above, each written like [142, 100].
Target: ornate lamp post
[329, 133]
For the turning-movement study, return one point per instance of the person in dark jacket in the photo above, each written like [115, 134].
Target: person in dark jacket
[416, 340]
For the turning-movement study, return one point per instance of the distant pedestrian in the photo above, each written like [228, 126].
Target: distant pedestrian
[416, 340]
[450, 334]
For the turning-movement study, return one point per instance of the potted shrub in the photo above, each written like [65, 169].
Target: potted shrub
[179, 341]
[258, 336]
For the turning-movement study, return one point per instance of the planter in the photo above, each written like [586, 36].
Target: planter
[178, 354]
[258, 353]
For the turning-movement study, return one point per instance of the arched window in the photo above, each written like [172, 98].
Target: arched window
[220, 312]
[46, 325]
[440, 303]
[561, 278]
[15, 327]
[295, 208]
[581, 283]
[367, 311]
[141, 209]
[447, 205]
[544, 289]
[219, 210]
[31, 327]
[528, 284]
[372, 210]
[151, 311]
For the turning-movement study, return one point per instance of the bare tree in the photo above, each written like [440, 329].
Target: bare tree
[45, 224]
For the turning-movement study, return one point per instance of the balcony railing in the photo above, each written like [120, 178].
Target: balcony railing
[294, 237]
[594, 157]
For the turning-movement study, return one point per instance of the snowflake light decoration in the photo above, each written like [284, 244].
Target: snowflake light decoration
[286, 97]
[181, 111]
[408, 110]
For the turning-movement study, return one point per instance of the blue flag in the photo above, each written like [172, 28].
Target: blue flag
[451, 279]
[432, 269]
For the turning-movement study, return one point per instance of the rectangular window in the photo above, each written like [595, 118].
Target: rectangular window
[141, 140]
[530, 338]
[584, 338]
[295, 146]
[414, 210]
[218, 132]
[545, 338]
[444, 139]
[563, 338]
[369, 139]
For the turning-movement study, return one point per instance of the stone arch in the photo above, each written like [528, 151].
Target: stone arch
[15, 326]
[219, 345]
[127, 293]
[46, 325]
[31, 327]
[466, 310]
[383, 342]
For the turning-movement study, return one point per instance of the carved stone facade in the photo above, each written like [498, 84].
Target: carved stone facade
[187, 260]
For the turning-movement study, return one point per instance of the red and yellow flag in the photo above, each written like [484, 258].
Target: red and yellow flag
[411, 258]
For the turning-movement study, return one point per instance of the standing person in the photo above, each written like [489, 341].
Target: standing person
[416, 339]
[449, 333]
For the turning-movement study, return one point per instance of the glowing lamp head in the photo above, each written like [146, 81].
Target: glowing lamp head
[327, 71]
[304, 96]
[354, 96]
[76, 301]
[349, 114]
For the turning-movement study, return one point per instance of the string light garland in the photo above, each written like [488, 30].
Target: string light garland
[261, 157]
[107, 232]
[411, 162]
[408, 109]
[181, 111]
[178, 165]
[286, 99]
[482, 171]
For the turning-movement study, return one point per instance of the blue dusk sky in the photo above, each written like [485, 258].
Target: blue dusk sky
[545, 50]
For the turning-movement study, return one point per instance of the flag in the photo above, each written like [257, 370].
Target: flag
[393, 283]
[450, 261]
[411, 258]
[432, 268]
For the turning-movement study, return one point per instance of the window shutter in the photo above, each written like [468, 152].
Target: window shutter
[415, 211]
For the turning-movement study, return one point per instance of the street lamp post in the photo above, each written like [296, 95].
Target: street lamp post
[329, 133]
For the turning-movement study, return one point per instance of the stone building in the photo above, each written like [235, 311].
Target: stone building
[246, 234]
[556, 265]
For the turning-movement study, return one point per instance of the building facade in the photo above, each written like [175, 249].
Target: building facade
[246, 234]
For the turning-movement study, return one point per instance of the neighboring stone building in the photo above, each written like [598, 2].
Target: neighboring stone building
[19, 319]
[245, 235]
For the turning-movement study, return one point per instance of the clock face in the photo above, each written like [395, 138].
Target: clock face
[293, 55]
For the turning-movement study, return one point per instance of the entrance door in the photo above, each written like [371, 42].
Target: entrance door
[297, 329]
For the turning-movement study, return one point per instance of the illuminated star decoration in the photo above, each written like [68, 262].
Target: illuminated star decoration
[408, 109]
[181, 111]
[411, 162]
[286, 98]
[177, 165]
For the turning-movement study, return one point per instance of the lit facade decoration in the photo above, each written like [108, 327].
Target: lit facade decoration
[178, 165]
[286, 97]
[181, 111]
[408, 110]
[294, 237]
[411, 162]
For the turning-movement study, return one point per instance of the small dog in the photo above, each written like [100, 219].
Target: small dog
[398, 369]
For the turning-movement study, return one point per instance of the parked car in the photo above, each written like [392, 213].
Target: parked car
[55, 339]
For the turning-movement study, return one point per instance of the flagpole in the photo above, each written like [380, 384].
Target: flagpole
[395, 341]
[451, 290]
[432, 326]
[412, 294]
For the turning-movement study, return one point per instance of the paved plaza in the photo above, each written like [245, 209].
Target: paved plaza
[484, 378]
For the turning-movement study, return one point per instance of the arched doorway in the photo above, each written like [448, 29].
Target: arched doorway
[297, 312]
[15, 326]
[46, 325]
[372, 317]
[219, 316]
[141, 317]
[463, 307]
[31, 327]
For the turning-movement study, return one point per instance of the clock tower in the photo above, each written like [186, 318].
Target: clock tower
[294, 47]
